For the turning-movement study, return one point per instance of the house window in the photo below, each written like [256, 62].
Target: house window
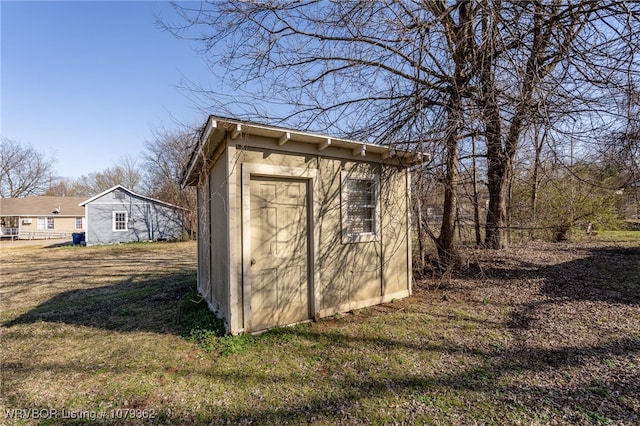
[45, 223]
[360, 208]
[79, 222]
[119, 221]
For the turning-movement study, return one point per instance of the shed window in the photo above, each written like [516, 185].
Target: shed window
[359, 208]
[120, 221]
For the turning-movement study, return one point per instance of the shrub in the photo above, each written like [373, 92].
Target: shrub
[198, 323]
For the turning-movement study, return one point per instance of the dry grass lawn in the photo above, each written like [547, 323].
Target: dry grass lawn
[540, 334]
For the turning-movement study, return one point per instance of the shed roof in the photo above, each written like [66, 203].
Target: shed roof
[216, 127]
[41, 206]
[122, 188]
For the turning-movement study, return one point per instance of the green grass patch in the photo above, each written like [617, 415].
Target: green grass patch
[621, 236]
[231, 345]
[198, 323]
[207, 330]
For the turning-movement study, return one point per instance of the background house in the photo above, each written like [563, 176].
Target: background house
[293, 225]
[41, 217]
[119, 215]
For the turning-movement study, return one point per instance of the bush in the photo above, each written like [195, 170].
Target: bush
[198, 323]
[567, 202]
[207, 330]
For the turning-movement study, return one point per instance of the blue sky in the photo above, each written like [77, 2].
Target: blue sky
[87, 82]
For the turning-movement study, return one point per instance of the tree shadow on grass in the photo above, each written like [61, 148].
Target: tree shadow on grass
[414, 397]
[610, 274]
[60, 244]
[135, 304]
[489, 384]
[607, 277]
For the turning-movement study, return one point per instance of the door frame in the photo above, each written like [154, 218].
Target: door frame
[251, 170]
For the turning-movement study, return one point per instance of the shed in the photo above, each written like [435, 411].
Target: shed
[119, 215]
[294, 225]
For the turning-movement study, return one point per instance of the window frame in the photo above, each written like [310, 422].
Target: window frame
[348, 235]
[45, 223]
[114, 221]
[81, 219]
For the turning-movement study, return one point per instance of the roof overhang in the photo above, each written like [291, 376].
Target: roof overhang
[217, 129]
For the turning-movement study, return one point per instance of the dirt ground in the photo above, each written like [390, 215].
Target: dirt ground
[572, 316]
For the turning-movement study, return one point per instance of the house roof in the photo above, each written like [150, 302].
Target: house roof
[122, 188]
[41, 206]
[217, 127]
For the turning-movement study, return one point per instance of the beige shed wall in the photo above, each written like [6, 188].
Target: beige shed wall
[351, 275]
[348, 272]
[219, 219]
[204, 240]
[395, 235]
[213, 242]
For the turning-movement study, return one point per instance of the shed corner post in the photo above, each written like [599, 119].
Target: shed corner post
[316, 206]
[408, 230]
[237, 299]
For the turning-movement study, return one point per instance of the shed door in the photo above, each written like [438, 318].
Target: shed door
[279, 251]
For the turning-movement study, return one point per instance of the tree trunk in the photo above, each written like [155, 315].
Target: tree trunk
[497, 179]
[446, 239]
[534, 182]
[459, 37]
[476, 207]
[500, 157]
[495, 229]
[420, 225]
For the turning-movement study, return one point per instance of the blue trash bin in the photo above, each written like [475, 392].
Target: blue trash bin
[77, 237]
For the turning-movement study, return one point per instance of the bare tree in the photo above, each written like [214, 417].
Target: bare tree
[165, 160]
[535, 53]
[621, 151]
[125, 172]
[427, 71]
[377, 72]
[66, 187]
[23, 170]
